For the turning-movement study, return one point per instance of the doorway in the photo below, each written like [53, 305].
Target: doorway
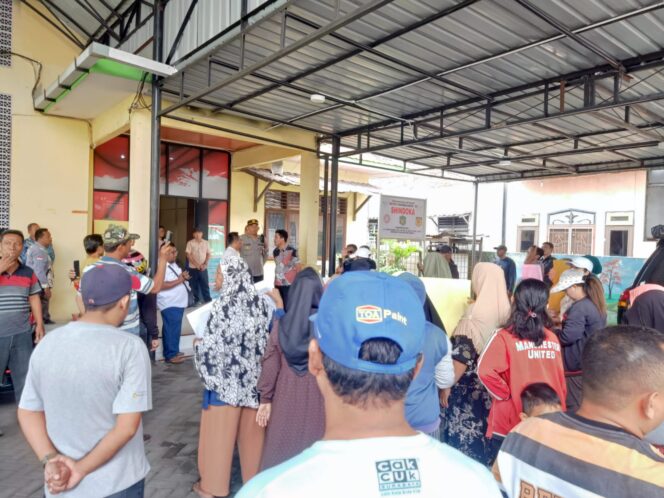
[180, 216]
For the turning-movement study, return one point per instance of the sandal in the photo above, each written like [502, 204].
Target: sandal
[204, 494]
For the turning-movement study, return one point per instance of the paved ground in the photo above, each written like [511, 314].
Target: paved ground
[173, 425]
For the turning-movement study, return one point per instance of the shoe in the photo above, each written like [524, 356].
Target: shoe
[180, 354]
[49, 322]
[175, 359]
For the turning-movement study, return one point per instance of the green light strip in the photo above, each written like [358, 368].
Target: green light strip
[103, 66]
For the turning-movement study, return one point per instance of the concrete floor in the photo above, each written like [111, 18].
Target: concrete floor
[172, 451]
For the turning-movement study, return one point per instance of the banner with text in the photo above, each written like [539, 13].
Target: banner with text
[402, 218]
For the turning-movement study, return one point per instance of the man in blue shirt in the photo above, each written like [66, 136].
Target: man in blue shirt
[508, 265]
[368, 342]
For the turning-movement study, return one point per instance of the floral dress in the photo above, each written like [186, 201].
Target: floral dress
[465, 419]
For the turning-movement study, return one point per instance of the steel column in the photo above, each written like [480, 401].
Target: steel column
[326, 210]
[474, 251]
[155, 159]
[503, 230]
[336, 147]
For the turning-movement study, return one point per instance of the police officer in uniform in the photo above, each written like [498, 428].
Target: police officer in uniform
[253, 250]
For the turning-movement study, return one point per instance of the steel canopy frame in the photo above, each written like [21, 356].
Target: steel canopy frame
[430, 126]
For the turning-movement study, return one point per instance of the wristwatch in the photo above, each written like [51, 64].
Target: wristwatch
[48, 457]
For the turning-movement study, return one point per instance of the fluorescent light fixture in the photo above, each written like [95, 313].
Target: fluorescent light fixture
[505, 161]
[317, 98]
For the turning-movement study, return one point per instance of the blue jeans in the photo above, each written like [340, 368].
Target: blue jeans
[200, 285]
[134, 491]
[15, 352]
[170, 332]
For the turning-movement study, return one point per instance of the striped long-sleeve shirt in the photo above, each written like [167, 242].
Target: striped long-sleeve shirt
[563, 455]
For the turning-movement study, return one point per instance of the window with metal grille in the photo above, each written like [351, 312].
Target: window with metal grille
[453, 223]
[5, 157]
[342, 205]
[276, 199]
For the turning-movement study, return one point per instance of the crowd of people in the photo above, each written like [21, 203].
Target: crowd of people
[345, 387]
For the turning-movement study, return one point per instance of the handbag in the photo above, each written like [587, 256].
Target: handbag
[190, 295]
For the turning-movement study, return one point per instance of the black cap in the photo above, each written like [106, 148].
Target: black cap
[444, 249]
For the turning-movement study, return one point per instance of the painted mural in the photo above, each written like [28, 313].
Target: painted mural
[618, 274]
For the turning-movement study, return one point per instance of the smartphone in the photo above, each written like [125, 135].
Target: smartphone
[169, 236]
[77, 268]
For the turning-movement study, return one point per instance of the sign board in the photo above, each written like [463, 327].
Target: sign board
[402, 218]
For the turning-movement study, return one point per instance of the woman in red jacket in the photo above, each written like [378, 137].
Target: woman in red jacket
[523, 352]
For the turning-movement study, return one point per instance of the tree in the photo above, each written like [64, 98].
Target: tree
[611, 275]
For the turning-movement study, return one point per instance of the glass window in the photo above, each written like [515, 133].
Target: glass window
[618, 243]
[184, 170]
[215, 174]
[111, 205]
[526, 239]
[217, 226]
[111, 165]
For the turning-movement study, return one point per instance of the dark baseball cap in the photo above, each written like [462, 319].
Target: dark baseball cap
[105, 284]
[359, 306]
[445, 249]
[501, 248]
[252, 221]
[116, 234]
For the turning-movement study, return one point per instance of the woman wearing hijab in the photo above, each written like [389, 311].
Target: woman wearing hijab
[228, 360]
[469, 403]
[291, 405]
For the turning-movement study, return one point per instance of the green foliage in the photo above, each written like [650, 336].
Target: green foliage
[394, 259]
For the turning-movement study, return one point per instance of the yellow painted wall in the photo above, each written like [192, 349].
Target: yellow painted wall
[242, 202]
[50, 156]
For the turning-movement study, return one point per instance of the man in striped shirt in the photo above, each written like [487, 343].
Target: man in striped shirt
[19, 296]
[600, 450]
[117, 246]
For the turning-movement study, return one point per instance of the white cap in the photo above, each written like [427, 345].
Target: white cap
[582, 263]
[363, 252]
[568, 279]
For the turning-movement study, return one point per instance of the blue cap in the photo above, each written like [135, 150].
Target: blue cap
[416, 284]
[105, 284]
[359, 306]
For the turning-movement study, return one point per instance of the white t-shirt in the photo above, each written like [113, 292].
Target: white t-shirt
[417, 466]
[175, 297]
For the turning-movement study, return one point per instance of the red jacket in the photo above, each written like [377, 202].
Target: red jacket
[508, 365]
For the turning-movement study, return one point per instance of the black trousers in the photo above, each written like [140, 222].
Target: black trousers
[283, 291]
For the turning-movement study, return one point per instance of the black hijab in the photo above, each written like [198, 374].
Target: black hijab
[295, 327]
[647, 311]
